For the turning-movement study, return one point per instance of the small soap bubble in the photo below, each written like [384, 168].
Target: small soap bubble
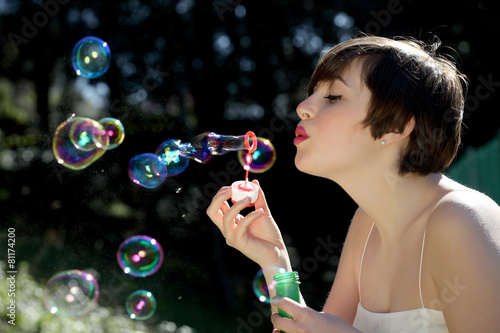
[71, 293]
[87, 135]
[114, 130]
[259, 285]
[141, 305]
[147, 170]
[170, 153]
[263, 157]
[79, 142]
[91, 57]
[140, 256]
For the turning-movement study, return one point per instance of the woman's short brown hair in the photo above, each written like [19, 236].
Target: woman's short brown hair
[407, 79]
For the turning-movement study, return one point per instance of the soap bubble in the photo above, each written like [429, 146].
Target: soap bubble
[208, 144]
[263, 157]
[141, 305]
[114, 130]
[79, 142]
[169, 152]
[86, 135]
[91, 57]
[218, 144]
[140, 256]
[147, 170]
[259, 285]
[199, 154]
[71, 293]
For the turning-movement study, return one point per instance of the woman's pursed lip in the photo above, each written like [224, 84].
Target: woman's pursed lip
[300, 135]
[300, 131]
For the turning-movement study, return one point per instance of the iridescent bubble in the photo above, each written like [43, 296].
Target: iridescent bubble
[141, 305]
[259, 285]
[147, 170]
[169, 152]
[200, 154]
[91, 57]
[87, 135]
[140, 256]
[263, 157]
[114, 130]
[79, 142]
[218, 144]
[71, 293]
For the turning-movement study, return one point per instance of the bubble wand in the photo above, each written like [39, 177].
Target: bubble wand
[243, 189]
[250, 150]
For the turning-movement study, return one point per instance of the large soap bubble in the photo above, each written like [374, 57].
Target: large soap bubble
[71, 293]
[140, 256]
[78, 142]
[91, 57]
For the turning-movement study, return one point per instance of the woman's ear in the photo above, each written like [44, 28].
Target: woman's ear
[394, 137]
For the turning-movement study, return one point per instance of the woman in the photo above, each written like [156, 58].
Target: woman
[383, 119]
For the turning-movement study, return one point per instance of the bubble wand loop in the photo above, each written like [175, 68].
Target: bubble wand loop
[251, 149]
[243, 189]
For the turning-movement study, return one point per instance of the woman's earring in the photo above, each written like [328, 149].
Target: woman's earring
[383, 142]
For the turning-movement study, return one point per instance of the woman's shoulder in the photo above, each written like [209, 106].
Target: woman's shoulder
[464, 220]
[462, 247]
[462, 208]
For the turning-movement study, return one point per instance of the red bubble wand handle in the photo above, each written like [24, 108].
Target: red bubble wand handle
[250, 149]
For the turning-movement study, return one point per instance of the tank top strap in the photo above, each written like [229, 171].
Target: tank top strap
[361, 263]
[420, 270]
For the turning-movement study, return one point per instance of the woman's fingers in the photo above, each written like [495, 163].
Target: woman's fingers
[231, 216]
[219, 206]
[261, 199]
[289, 306]
[240, 231]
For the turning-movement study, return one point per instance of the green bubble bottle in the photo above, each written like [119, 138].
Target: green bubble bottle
[287, 285]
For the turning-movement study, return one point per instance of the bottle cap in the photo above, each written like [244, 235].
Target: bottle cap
[242, 189]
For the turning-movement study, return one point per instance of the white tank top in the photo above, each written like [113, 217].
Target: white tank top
[411, 321]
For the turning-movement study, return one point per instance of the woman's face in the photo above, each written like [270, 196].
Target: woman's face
[330, 137]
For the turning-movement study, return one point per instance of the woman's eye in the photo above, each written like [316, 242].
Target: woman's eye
[333, 98]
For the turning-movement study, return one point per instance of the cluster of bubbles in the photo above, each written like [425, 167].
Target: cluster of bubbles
[140, 256]
[75, 293]
[79, 141]
[172, 157]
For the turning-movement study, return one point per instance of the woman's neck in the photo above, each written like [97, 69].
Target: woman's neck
[393, 202]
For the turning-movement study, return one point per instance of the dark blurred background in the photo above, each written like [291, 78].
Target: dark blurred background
[180, 68]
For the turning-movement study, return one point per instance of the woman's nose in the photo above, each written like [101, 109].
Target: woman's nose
[304, 109]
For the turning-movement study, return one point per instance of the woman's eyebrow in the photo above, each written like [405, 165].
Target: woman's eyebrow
[341, 79]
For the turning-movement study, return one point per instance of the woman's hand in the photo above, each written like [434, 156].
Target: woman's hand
[256, 235]
[306, 319]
